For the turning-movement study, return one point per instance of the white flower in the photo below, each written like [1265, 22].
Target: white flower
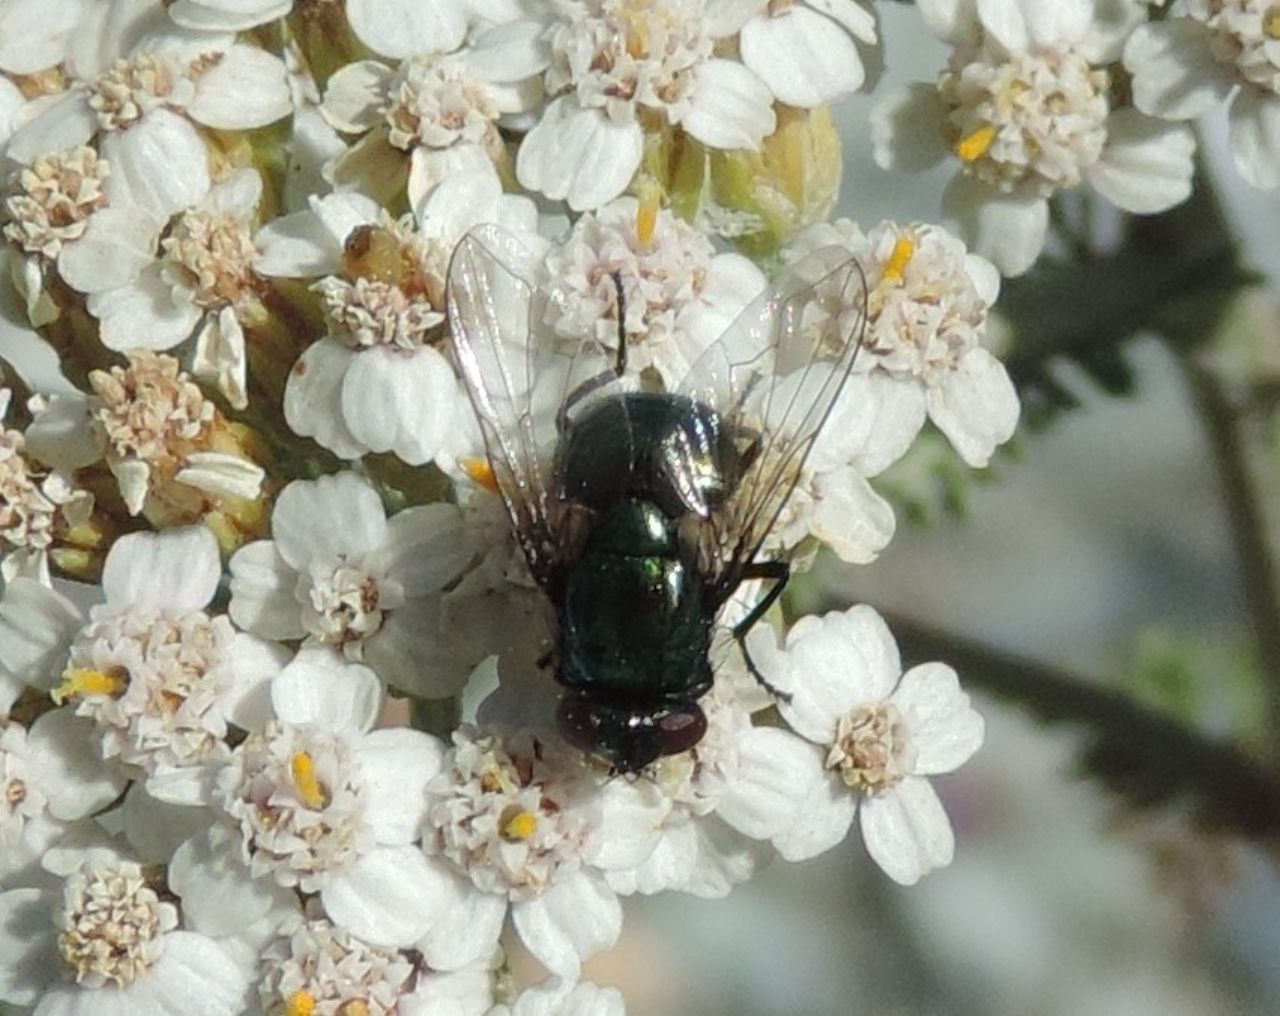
[316, 802]
[928, 302]
[105, 940]
[160, 678]
[868, 738]
[608, 63]
[146, 111]
[52, 201]
[804, 50]
[50, 777]
[315, 966]
[524, 823]
[1024, 106]
[380, 381]
[679, 294]
[158, 431]
[432, 111]
[198, 280]
[36, 506]
[1207, 51]
[339, 573]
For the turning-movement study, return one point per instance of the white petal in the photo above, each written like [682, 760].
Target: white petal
[726, 17]
[730, 106]
[160, 164]
[459, 164]
[802, 56]
[222, 475]
[424, 549]
[822, 822]
[853, 17]
[850, 517]
[297, 246]
[776, 773]
[1175, 75]
[838, 662]
[313, 397]
[976, 406]
[34, 35]
[875, 421]
[388, 897]
[355, 95]
[221, 358]
[134, 479]
[408, 655]
[1005, 23]
[626, 829]
[262, 592]
[36, 628]
[448, 208]
[28, 943]
[1009, 230]
[143, 314]
[67, 766]
[11, 101]
[322, 688]
[219, 896]
[61, 435]
[155, 829]
[175, 570]
[944, 730]
[404, 28]
[1255, 137]
[576, 917]
[215, 16]
[459, 993]
[465, 924]
[372, 165]
[907, 831]
[400, 401]
[907, 128]
[254, 663]
[1146, 165]
[327, 519]
[579, 155]
[509, 52]
[237, 195]
[246, 88]
[953, 21]
[116, 245]
[395, 765]
[64, 122]
[195, 967]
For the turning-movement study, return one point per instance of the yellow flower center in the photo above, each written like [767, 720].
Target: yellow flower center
[80, 681]
[310, 789]
[480, 473]
[520, 826]
[301, 1003]
[975, 144]
[903, 251]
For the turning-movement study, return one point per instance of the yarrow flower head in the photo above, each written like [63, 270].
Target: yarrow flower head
[866, 737]
[1025, 106]
[1207, 51]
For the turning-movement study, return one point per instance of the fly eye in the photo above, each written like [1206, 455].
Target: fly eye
[680, 729]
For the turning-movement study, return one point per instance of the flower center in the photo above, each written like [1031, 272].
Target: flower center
[494, 818]
[27, 516]
[1245, 35]
[322, 969]
[870, 748]
[154, 685]
[624, 52]
[437, 105]
[297, 798]
[368, 312]
[112, 923]
[1035, 120]
[150, 409]
[132, 88]
[212, 256]
[346, 604]
[54, 198]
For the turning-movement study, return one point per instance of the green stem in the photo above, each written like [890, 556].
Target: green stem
[1254, 554]
[1148, 758]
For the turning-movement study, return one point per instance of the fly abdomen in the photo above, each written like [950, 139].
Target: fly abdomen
[632, 618]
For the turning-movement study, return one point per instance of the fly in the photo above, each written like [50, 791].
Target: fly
[640, 513]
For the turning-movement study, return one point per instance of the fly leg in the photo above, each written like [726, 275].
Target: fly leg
[605, 377]
[778, 572]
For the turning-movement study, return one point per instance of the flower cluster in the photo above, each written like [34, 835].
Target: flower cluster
[282, 490]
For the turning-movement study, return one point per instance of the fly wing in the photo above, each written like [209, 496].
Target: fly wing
[491, 317]
[774, 376]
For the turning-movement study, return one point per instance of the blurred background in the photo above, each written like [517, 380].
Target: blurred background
[1101, 548]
